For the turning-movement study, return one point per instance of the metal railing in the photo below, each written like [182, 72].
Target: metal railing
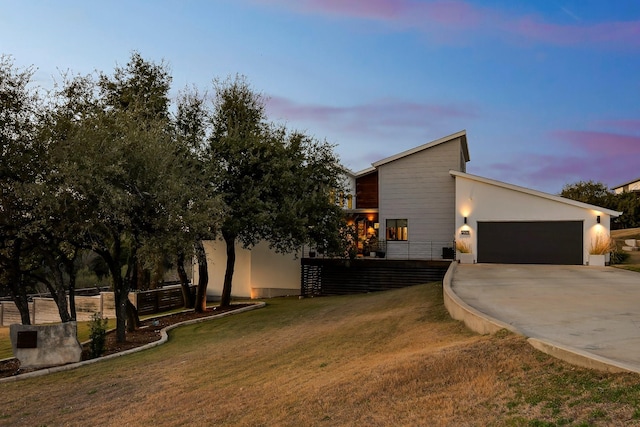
[402, 250]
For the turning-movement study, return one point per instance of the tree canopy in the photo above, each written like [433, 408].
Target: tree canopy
[274, 184]
[598, 194]
[108, 163]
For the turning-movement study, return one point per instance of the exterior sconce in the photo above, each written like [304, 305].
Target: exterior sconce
[465, 219]
[598, 219]
[376, 225]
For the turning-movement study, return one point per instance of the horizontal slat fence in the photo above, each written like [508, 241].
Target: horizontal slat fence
[340, 277]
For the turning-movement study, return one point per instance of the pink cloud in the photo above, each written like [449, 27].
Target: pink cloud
[598, 156]
[535, 29]
[382, 113]
[601, 143]
[630, 125]
[368, 9]
[551, 173]
[409, 13]
[457, 18]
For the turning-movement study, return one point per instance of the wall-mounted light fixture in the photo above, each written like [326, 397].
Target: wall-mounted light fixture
[465, 219]
[376, 225]
[598, 219]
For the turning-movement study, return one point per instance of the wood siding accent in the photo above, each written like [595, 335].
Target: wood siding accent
[342, 277]
[419, 188]
[367, 191]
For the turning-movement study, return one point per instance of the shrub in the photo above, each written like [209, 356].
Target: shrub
[98, 335]
[602, 245]
[619, 257]
[463, 247]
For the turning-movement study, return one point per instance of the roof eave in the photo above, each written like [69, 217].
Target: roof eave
[461, 134]
[536, 193]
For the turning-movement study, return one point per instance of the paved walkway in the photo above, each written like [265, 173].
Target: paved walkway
[591, 311]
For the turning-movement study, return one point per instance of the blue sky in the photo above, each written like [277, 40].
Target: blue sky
[548, 90]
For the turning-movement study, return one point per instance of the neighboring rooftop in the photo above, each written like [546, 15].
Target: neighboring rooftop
[627, 186]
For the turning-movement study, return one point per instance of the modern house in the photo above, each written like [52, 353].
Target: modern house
[628, 187]
[409, 210]
[408, 200]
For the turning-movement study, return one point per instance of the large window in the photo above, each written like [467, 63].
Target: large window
[397, 229]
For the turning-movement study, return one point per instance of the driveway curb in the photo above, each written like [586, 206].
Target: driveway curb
[164, 337]
[484, 324]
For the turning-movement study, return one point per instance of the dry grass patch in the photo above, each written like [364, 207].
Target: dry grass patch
[626, 233]
[391, 358]
[632, 259]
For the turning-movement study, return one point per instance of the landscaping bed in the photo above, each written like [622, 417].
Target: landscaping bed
[148, 332]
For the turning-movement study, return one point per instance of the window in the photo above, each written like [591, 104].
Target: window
[397, 229]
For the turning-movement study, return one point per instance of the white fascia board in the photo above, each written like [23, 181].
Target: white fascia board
[462, 133]
[364, 172]
[535, 193]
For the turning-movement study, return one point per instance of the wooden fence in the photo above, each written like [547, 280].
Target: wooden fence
[44, 310]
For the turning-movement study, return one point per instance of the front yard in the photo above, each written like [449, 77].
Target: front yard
[386, 358]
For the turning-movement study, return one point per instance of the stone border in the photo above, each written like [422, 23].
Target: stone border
[164, 337]
[486, 325]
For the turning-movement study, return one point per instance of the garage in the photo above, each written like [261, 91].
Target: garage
[531, 242]
[503, 223]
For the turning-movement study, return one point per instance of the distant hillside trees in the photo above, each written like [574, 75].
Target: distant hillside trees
[598, 194]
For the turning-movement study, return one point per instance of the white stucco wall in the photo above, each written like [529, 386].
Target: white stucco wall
[258, 273]
[273, 274]
[481, 201]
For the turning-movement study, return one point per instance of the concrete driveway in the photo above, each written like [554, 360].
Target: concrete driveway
[588, 313]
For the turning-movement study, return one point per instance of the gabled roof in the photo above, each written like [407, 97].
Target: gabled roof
[462, 134]
[626, 183]
[535, 193]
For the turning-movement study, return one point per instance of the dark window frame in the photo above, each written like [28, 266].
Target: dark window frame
[397, 229]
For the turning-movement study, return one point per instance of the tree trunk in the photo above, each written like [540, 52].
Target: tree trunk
[72, 294]
[57, 289]
[120, 286]
[203, 278]
[187, 297]
[131, 282]
[230, 240]
[19, 297]
[133, 320]
[16, 287]
[58, 294]
[121, 297]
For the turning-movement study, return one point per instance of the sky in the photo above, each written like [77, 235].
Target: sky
[547, 90]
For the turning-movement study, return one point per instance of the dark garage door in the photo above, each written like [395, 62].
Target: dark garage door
[530, 242]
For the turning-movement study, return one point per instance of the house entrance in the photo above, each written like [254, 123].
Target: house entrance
[367, 229]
